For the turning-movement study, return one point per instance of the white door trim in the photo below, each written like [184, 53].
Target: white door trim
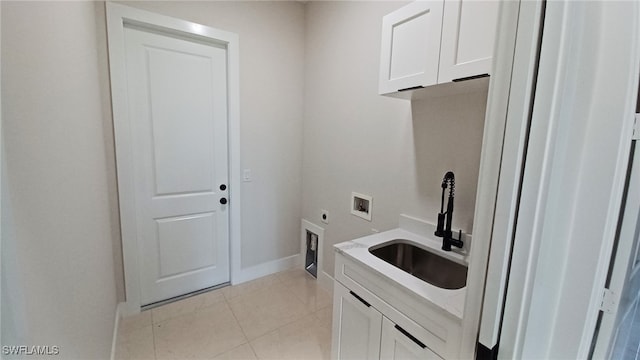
[117, 17]
[512, 109]
[496, 165]
[1, 162]
[565, 229]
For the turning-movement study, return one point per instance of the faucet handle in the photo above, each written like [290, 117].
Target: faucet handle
[440, 228]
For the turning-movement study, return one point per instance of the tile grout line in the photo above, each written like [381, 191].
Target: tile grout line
[226, 300]
[279, 327]
[238, 322]
[153, 336]
[278, 280]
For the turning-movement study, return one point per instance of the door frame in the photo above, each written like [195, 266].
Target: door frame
[553, 283]
[623, 267]
[512, 80]
[117, 16]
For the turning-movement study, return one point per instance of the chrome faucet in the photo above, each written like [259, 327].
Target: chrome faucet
[443, 229]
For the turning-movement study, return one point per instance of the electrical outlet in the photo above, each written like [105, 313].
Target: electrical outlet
[324, 216]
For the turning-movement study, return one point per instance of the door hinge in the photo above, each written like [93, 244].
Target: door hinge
[636, 127]
[609, 301]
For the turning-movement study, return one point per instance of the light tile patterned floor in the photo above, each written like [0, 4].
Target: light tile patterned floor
[281, 316]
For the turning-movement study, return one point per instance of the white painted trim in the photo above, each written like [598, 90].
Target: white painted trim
[268, 268]
[1, 162]
[508, 111]
[116, 326]
[117, 16]
[308, 225]
[326, 281]
[622, 284]
[579, 131]
[491, 163]
[235, 168]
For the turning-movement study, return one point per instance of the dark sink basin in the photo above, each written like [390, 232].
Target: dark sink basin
[422, 264]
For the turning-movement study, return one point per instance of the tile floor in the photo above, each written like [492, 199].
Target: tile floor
[280, 316]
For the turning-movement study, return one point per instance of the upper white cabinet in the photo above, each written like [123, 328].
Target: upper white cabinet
[435, 42]
[411, 46]
[468, 33]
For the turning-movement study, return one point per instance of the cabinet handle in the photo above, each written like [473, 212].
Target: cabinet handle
[359, 298]
[405, 333]
[411, 88]
[470, 77]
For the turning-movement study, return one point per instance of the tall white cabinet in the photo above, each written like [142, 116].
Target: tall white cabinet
[435, 42]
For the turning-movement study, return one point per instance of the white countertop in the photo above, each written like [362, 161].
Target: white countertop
[417, 231]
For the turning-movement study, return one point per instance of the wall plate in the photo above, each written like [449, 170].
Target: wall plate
[361, 205]
[324, 216]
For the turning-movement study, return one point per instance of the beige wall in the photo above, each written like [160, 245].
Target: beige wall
[356, 140]
[58, 284]
[271, 110]
[305, 70]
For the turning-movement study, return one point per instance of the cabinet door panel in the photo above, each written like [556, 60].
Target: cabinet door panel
[398, 344]
[468, 36]
[356, 326]
[410, 47]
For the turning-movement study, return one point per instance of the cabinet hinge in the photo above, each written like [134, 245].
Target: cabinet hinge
[636, 128]
[609, 301]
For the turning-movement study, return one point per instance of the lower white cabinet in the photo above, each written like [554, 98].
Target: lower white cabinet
[397, 343]
[356, 326]
[360, 331]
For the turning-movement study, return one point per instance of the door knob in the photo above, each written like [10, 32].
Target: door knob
[223, 201]
[223, 187]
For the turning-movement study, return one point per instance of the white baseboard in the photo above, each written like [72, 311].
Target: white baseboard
[128, 308]
[116, 325]
[267, 268]
[326, 281]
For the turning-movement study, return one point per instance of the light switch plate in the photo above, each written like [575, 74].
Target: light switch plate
[246, 175]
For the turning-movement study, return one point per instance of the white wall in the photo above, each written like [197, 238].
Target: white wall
[57, 276]
[271, 109]
[356, 140]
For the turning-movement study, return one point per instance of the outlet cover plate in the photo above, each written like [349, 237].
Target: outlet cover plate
[324, 216]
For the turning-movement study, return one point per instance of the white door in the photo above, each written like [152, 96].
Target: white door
[177, 102]
[356, 326]
[615, 333]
